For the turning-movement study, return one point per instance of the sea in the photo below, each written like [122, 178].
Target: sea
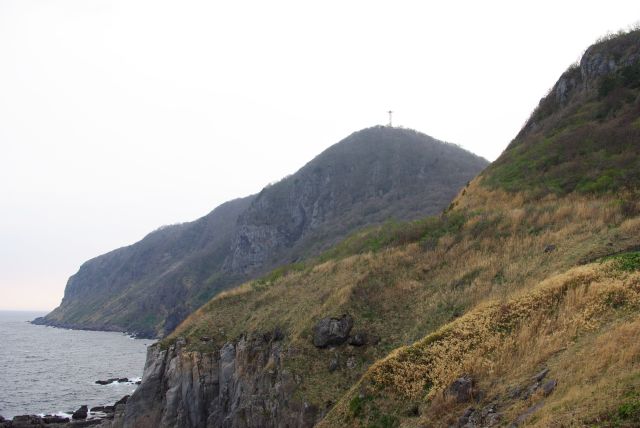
[46, 370]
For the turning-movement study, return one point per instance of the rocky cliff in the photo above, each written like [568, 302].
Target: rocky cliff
[372, 176]
[242, 384]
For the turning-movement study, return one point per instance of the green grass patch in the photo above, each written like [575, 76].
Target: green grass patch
[426, 231]
[278, 273]
[628, 262]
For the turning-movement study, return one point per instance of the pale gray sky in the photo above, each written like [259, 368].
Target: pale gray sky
[118, 116]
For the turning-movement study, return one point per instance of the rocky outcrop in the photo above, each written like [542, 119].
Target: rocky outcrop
[81, 413]
[600, 60]
[332, 331]
[241, 384]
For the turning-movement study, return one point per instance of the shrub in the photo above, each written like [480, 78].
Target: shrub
[628, 262]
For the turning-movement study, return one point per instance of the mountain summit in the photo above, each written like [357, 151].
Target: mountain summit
[372, 176]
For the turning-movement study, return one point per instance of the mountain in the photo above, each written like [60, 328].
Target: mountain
[518, 304]
[372, 176]
[154, 282]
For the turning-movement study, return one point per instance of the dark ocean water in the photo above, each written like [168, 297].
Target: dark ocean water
[51, 370]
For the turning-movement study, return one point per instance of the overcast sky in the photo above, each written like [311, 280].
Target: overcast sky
[119, 116]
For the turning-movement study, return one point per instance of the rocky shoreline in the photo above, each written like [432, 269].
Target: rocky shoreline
[105, 328]
[99, 416]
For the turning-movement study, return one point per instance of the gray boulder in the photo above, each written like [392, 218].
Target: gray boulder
[54, 419]
[332, 331]
[81, 413]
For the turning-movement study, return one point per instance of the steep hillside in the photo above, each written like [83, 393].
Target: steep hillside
[372, 176]
[584, 135]
[518, 304]
[154, 283]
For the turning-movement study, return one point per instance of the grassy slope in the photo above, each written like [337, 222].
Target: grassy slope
[406, 292]
[580, 324]
[467, 291]
[580, 159]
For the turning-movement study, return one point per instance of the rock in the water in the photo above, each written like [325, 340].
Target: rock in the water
[332, 331]
[84, 423]
[112, 380]
[97, 409]
[81, 413]
[461, 389]
[26, 421]
[54, 419]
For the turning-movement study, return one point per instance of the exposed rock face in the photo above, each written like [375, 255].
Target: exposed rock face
[242, 384]
[332, 331]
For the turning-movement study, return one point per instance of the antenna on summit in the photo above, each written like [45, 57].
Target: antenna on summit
[390, 118]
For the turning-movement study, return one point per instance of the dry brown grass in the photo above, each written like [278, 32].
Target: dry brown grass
[405, 293]
[559, 324]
